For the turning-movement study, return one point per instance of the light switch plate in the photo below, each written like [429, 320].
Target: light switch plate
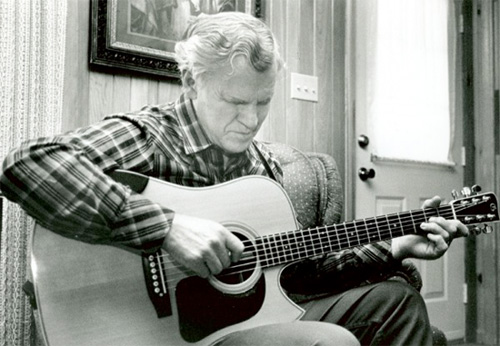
[304, 87]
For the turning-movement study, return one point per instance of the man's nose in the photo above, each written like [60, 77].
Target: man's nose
[248, 116]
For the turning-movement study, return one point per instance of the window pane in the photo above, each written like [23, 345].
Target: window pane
[409, 112]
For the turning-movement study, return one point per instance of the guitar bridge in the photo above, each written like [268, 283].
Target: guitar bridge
[156, 283]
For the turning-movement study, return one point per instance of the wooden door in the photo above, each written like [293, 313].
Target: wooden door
[402, 181]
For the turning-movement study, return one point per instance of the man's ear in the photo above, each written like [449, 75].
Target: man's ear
[190, 85]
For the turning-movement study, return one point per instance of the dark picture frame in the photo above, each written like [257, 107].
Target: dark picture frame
[140, 35]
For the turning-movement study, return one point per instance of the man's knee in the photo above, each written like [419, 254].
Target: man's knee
[403, 299]
[303, 333]
[326, 334]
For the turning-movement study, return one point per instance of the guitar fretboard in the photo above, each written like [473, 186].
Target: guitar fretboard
[285, 247]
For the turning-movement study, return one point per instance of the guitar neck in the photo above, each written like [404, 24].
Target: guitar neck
[285, 247]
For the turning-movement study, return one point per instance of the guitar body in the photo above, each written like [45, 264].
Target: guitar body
[89, 295]
[96, 294]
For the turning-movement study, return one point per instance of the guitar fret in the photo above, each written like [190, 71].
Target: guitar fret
[314, 234]
[275, 249]
[394, 226]
[383, 227]
[371, 223]
[366, 231]
[401, 224]
[311, 242]
[339, 245]
[323, 240]
[287, 247]
[389, 226]
[425, 216]
[344, 229]
[328, 238]
[269, 251]
[261, 252]
[279, 248]
[358, 225]
[295, 249]
[290, 246]
[320, 241]
[413, 222]
[303, 248]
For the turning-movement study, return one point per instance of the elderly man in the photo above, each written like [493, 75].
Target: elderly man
[229, 64]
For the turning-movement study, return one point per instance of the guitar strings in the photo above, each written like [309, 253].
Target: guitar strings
[315, 245]
[323, 237]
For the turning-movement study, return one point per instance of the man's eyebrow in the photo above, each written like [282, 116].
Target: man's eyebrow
[266, 100]
[235, 99]
[231, 98]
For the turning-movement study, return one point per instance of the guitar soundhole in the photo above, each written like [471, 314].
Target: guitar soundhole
[241, 271]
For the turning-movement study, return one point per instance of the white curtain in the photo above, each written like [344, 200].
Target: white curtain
[32, 47]
[410, 57]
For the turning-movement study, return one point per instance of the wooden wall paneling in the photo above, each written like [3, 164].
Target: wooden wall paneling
[487, 254]
[153, 86]
[305, 32]
[274, 128]
[168, 91]
[76, 74]
[305, 116]
[265, 129]
[293, 17]
[337, 92]
[139, 95]
[100, 96]
[323, 69]
[121, 93]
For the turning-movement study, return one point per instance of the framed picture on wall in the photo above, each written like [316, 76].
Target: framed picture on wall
[140, 35]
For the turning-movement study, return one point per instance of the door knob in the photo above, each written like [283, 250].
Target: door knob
[365, 174]
[363, 141]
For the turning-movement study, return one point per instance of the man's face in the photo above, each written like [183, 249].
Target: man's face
[231, 107]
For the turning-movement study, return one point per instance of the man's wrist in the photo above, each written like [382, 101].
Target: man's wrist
[396, 251]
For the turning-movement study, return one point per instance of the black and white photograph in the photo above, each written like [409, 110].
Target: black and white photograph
[249, 172]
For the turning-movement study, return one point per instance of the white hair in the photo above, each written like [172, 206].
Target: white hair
[213, 41]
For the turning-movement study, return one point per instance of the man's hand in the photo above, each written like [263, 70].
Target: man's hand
[204, 246]
[440, 233]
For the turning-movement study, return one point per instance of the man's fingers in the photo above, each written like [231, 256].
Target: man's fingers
[433, 202]
[235, 247]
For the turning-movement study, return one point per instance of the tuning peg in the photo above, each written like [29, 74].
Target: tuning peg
[454, 194]
[475, 230]
[476, 189]
[487, 229]
[466, 191]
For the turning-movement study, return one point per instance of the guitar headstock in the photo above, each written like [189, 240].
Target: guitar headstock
[475, 208]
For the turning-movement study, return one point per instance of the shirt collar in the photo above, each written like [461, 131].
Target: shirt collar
[195, 139]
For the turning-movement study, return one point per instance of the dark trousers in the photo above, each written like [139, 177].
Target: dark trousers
[386, 313]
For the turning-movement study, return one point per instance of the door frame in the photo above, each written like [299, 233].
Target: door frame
[467, 55]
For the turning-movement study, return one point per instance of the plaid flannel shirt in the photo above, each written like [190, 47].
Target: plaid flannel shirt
[63, 181]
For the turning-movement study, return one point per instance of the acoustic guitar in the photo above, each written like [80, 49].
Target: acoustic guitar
[103, 295]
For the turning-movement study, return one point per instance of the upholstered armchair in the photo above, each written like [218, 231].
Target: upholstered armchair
[314, 186]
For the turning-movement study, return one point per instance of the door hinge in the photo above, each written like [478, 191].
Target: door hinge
[464, 292]
[461, 23]
[464, 157]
